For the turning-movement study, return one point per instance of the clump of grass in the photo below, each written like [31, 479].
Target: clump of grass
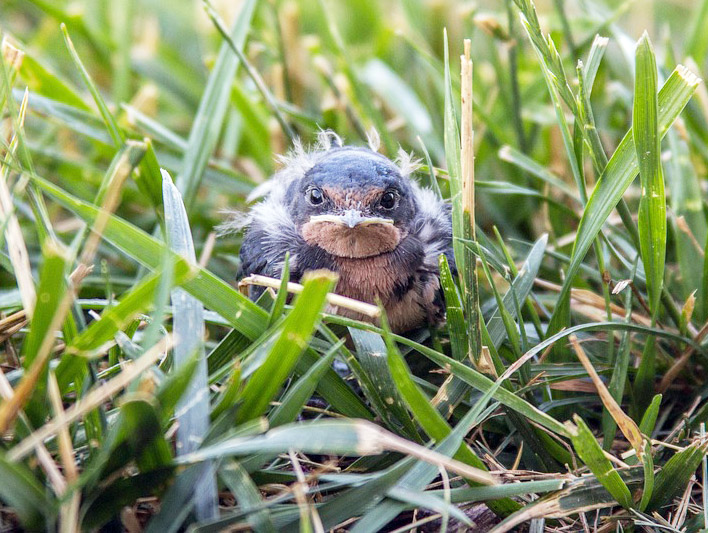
[140, 389]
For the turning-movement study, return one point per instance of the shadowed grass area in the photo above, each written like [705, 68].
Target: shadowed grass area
[141, 390]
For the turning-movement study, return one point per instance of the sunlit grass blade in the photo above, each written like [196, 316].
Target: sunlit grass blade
[188, 328]
[42, 81]
[578, 495]
[25, 494]
[617, 176]
[50, 293]
[289, 344]
[592, 455]
[618, 380]
[372, 354]
[454, 312]
[428, 416]
[214, 293]
[647, 144]
[422, 473]
[522, 161]
[293, 401]
[342, 437]
[252, 72]
[242, 486]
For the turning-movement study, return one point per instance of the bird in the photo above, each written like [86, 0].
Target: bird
[352, 210]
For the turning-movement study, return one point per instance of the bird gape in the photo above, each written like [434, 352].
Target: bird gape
[353, 211]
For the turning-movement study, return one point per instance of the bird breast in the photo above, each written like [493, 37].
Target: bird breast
[406, 296]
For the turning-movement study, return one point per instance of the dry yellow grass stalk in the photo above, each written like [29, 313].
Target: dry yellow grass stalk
[69, 512]
[627, 426]
[9, 409]
[335, 300]
[467, 138]
[54, 476]
[17, 250]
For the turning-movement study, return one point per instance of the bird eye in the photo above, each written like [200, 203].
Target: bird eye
[315, 196]
[388, 200]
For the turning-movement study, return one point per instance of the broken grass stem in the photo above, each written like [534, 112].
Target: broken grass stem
[336, 300]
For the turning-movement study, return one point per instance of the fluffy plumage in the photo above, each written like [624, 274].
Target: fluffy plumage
[353, 211]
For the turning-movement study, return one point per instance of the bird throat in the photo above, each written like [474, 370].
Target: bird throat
[352, 243]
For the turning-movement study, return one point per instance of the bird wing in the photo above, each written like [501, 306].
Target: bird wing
[271, 234]
[433, 227]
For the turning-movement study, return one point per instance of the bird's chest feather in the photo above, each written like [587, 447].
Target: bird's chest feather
[370, 278]
[407, 295]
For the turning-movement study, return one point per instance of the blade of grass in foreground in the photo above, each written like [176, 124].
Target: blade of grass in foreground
[617, 176]
[373, 356]
[592, 455]
[647, 144]
[108, 118]
[293, 401]
[652, 205]
[430, 419]
[239, 311]
[673, 477]
[418, 477]
[285, 351]
[188, 326]
[338, 437]
[23, 492]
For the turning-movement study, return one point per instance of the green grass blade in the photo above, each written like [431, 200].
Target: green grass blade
[647, 145]
[21, 490]
[686, 201]
[282, 297]
[454, 312]
[522, 161]
[372, 354]
[206, 126]
[592, 455]
[424, 413]
[240, 312]
[697, 42]
[672, 478]
[50, 292]
[422, 473]
[619, 378]
[188, 328]
[519, 290]
[41, 81]
[301, 391]
[617, 176]
[246, 492]
[108, 118]
[454, 168]
[646, 426]
[597, 52]
[285, 351]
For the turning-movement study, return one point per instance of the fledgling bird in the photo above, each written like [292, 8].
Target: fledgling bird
[353, 211]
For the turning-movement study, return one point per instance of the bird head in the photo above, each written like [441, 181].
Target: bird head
[353, 203]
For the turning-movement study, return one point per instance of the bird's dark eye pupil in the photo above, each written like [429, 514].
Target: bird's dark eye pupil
[388, 200]
[315, 196]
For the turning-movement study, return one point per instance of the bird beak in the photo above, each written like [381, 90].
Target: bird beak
[351, 219]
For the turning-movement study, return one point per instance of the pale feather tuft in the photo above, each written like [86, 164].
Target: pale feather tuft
[406, 162]
[235, 223]
[373, 140]
[327, 139]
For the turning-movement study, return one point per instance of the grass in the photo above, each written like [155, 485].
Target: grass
[141, 390]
